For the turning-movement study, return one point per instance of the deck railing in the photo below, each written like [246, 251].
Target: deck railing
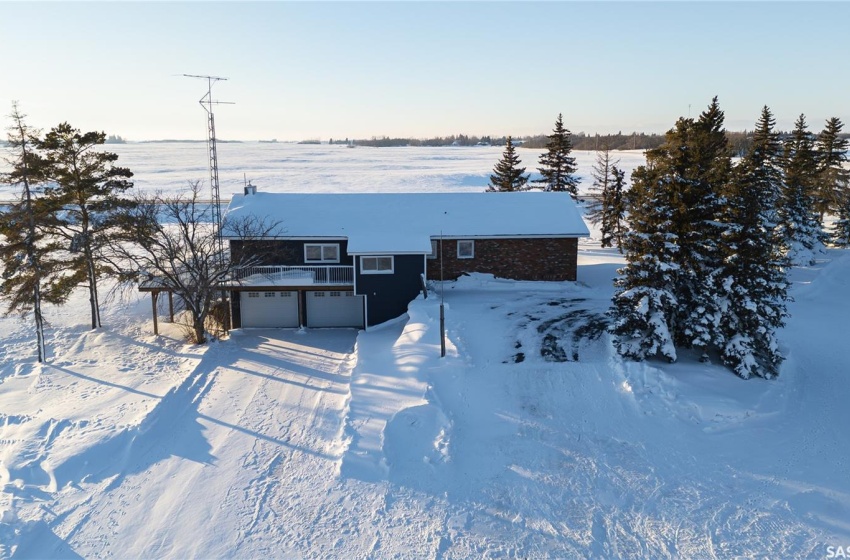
[337, 275]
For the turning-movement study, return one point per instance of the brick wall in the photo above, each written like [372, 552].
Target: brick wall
[517, 259]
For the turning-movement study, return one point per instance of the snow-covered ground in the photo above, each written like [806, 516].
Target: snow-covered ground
[280, 167]
[530, 439]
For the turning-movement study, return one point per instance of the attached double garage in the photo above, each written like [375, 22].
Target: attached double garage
[293, 308]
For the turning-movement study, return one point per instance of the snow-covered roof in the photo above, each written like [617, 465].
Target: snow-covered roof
[376, 223]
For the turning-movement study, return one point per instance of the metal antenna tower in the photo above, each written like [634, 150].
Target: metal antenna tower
[207, 104]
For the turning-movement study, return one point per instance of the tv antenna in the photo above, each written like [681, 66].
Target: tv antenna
[207, 103]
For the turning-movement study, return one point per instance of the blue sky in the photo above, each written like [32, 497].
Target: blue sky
[362, 69]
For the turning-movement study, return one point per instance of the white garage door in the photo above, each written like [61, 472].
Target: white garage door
[269, 309]
[334, 309]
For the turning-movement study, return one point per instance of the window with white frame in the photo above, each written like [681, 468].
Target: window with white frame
[376, 265]
[253, 294]
[435, 244]
[466, 249]
[321, 252]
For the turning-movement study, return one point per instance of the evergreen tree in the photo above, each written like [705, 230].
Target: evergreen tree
[614, 210]
[799, 227]
[602, 178]
[22, 249]
[841, 233]
[557, 166]
[753, 283]
[607, 207]
[672, 249]
[645, 299]
[81, 202]
[508, 175]
[833, 177]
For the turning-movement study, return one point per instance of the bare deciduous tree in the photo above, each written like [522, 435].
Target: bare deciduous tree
[171, 242]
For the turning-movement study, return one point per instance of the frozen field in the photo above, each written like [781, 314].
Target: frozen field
[279, 167]
[531, 439]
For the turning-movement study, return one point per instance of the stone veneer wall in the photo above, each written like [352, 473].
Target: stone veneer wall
[516, 259]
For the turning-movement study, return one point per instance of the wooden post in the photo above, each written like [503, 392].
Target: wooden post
[170, 306]
[154, 296]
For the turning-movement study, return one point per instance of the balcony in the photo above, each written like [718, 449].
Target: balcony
[307, 275]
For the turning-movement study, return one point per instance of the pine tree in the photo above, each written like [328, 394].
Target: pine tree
[21, 251]
[833, 177]
[557, 166]
[81, 203]
[753, 283]
[799, 227]
[508, 175]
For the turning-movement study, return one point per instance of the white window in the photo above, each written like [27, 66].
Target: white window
[376, 265]
[318, 294]
[269, 294]
[336, 294]
[465, 249]
[285, 294]
[321, 252]
[434, 246]
[253, 294]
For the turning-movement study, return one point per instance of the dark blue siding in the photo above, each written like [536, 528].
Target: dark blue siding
[387, 295]
[284, 252]
[235, 310]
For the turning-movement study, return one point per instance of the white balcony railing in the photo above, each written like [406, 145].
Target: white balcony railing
[294, 275]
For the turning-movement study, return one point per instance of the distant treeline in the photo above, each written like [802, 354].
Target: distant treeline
[738, 141]
[581, 141]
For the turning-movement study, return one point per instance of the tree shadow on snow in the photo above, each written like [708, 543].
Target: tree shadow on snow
[38, 541]
[171, 429]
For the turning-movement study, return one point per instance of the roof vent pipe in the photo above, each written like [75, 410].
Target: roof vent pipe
[250, 189]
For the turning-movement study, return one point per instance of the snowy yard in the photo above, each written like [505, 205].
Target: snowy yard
[530, 439]
[284, 443]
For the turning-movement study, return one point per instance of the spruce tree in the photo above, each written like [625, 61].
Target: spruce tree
[613, 225]
[799, 227]
[672, 249]
[644, 304]
[557, 166]
[841, 231]
[607, 206]
[508, 175]
[753, 282]
[833, 176]
[85, 195]
[602, 177]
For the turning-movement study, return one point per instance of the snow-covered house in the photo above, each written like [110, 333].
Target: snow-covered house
[354, 260]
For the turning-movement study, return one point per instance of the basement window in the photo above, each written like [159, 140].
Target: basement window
[376, 265]
[321, 252]
[466, 249]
